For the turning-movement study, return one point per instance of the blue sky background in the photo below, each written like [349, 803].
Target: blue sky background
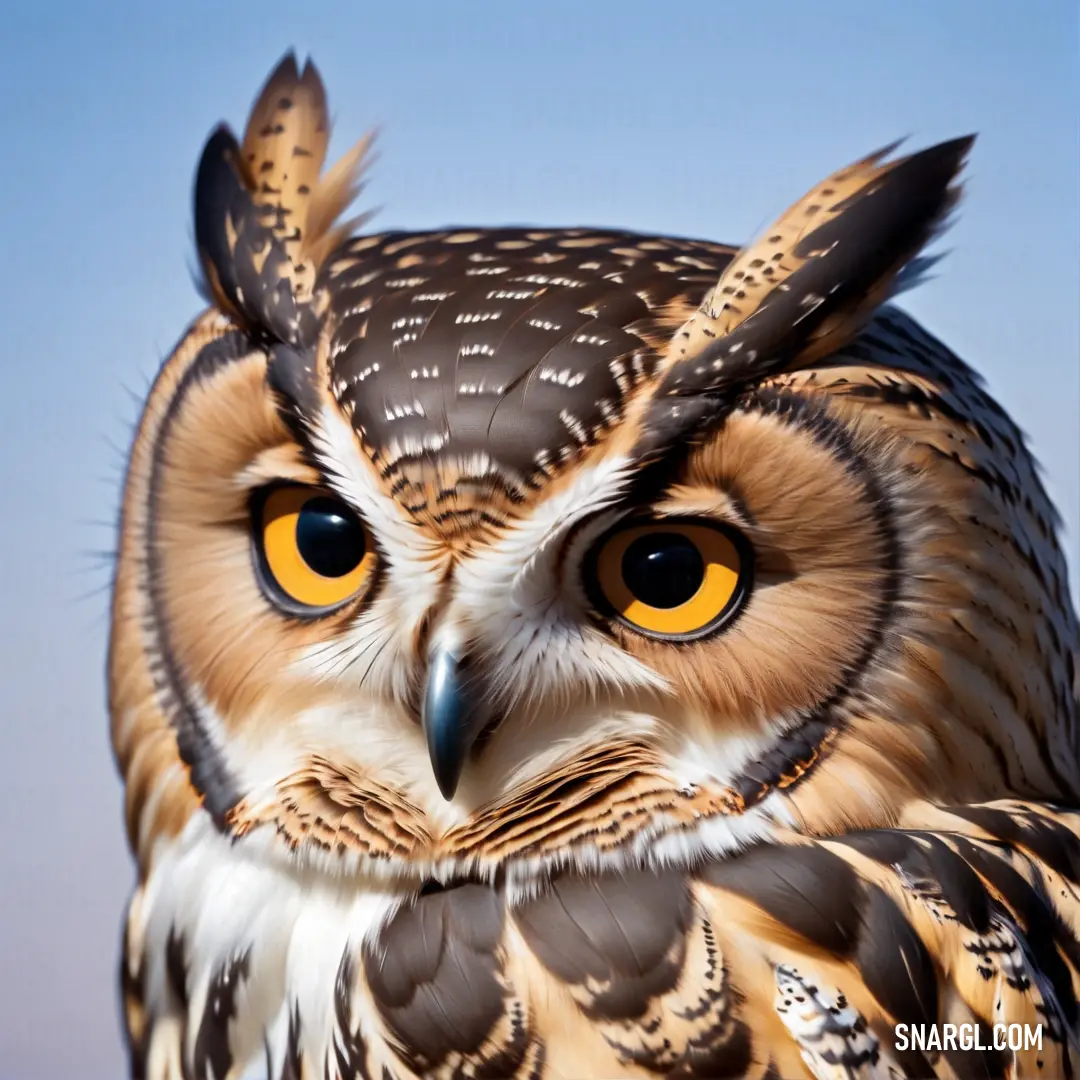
[704, 122]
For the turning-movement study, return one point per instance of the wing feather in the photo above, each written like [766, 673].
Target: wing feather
[826, 958]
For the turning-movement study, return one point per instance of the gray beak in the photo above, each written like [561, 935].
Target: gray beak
[451, 718]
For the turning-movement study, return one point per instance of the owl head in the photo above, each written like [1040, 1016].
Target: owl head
[483, 548]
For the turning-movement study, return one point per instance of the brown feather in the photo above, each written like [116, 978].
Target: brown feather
[813, 229]
[265, 217]
[804, 290]
[284, 150]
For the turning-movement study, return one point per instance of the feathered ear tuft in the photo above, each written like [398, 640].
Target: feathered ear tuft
[810, 283]
[265, 217]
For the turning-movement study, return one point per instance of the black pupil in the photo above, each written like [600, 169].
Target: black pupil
[329, 538]
[663, 569]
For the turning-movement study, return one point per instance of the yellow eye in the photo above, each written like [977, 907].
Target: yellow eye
[673, 579]
[315, 550]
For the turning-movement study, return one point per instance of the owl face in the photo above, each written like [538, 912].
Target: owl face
[457, 551]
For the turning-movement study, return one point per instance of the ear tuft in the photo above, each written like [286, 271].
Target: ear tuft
[265, 216]
[810, 283]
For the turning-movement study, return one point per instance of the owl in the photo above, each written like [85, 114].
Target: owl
[575, 653]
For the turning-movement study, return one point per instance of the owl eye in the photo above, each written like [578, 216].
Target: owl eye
[672, 579]
[314, 550]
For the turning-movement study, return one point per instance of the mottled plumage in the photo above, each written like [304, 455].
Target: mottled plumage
[430, 771]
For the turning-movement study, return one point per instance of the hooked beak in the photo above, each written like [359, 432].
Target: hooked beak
[451, 718]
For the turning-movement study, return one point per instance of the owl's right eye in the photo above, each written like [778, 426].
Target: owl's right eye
[313, 549]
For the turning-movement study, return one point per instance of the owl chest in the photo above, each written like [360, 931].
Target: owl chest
[616, 974]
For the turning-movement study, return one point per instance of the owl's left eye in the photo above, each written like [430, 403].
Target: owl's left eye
[314, 551]
[671, 579]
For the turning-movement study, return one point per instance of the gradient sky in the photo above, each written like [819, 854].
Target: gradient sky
[708, 122]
